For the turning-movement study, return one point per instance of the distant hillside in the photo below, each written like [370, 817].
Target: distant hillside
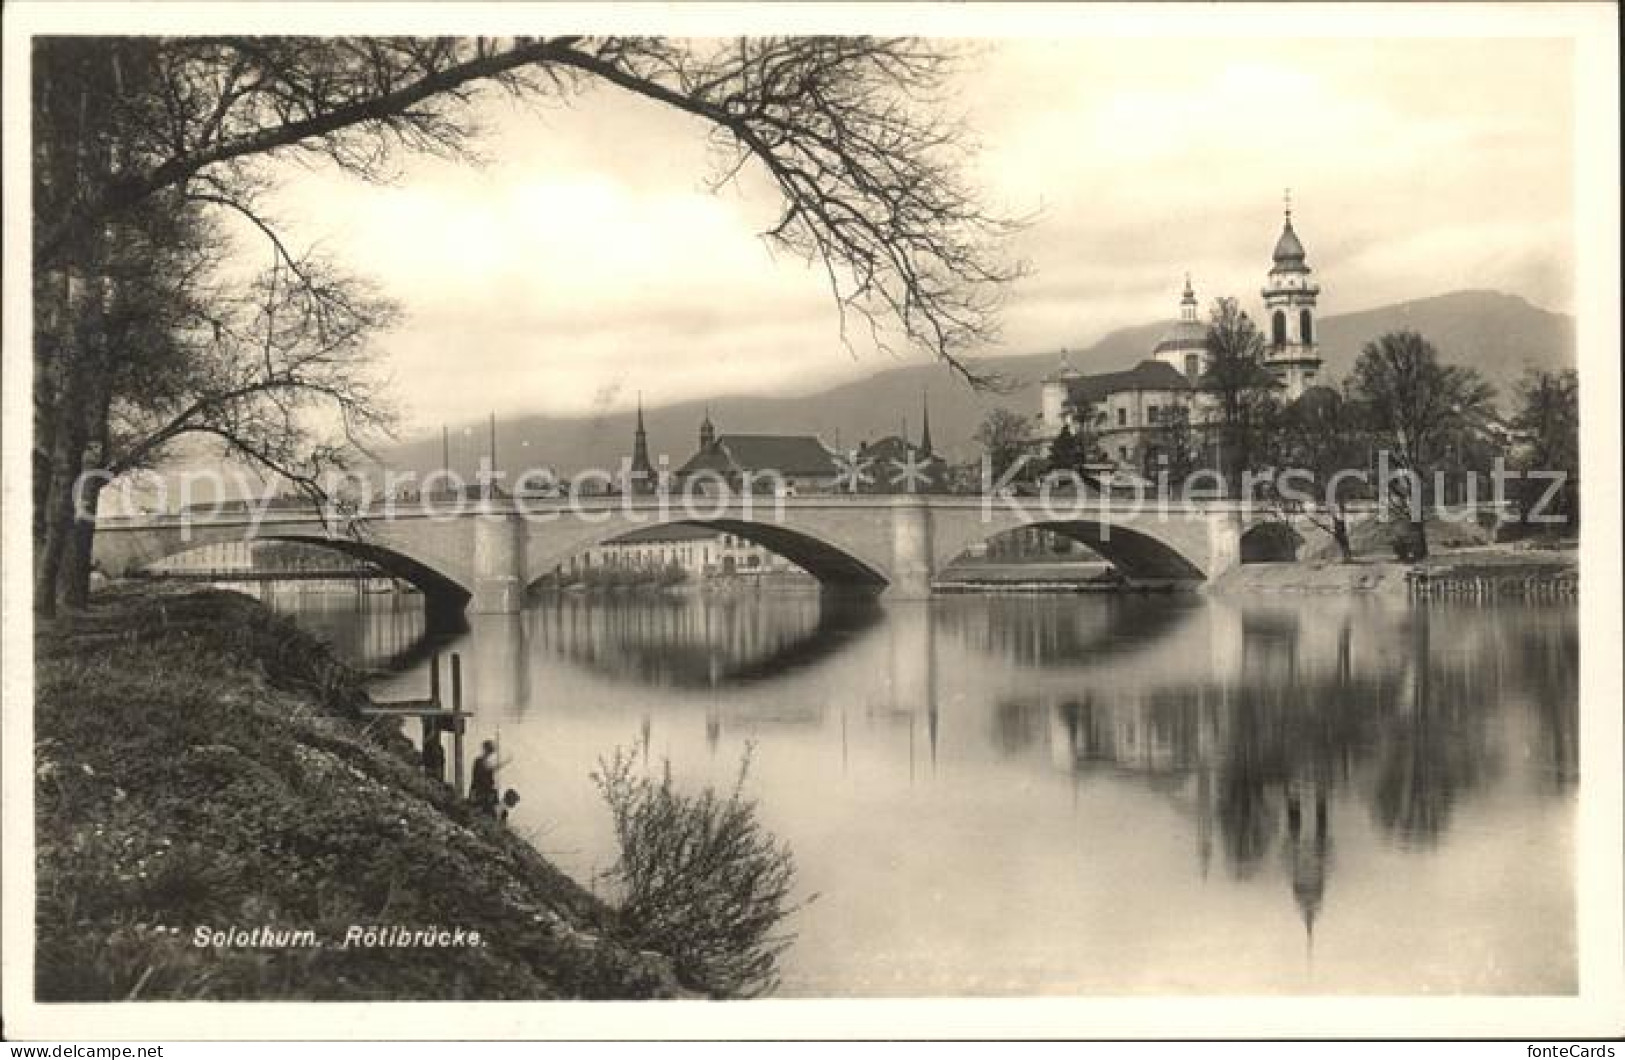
[1499, 334]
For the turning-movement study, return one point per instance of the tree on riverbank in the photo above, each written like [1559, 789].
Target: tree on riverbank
[1321, 444]
[1415, 404]
[1242, 391]
[1548, 421]
[1006, 438]
[845, 129]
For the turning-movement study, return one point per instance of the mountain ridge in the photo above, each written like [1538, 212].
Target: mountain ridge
[1504, 332]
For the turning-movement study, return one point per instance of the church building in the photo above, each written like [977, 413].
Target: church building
[1131, 411]
[738, 462]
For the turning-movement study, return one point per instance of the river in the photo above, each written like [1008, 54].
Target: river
[1095, 795]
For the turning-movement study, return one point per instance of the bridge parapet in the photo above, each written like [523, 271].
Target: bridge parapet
[486, 553]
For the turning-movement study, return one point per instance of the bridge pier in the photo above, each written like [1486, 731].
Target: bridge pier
[499, 565]
[913, 559]
[1224, 531]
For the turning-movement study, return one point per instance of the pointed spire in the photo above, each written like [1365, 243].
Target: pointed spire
[642, 468]
[1288, 250]
[1064, 370]
[925, 422]
[1187, 301]
[708, 431]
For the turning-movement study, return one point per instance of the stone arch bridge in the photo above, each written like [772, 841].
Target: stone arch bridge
[482, 555]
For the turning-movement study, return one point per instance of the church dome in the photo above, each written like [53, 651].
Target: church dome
[1289, 251]
[1064, 372]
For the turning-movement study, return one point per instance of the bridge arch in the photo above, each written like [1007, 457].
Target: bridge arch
[125, 551]
[434, 584]
[1270, 542]
[836, 565]
[1137, 554]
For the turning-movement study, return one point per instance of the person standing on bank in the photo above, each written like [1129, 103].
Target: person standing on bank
[482, 786]
[434, 755]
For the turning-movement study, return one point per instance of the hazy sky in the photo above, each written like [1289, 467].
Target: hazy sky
[586, 259]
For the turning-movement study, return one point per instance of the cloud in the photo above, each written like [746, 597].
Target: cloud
[587, 259]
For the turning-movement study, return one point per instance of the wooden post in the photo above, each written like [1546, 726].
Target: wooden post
[434, 678]
[457, 723]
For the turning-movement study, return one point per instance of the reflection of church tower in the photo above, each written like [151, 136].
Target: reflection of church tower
[932, 721]
[1307, 856]
[1289, 307]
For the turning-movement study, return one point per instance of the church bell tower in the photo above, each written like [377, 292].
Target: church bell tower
[1290, 297]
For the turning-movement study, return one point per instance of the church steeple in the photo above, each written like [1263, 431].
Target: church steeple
[641, 475]
[708, 432]
[1289, 255]
[925, 424]
[1187, 302]
[1290, 304]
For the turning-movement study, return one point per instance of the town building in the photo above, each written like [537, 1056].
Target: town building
[1131, 413]
[793, 463]
[698, 552]
[219, 557]
[893, 464]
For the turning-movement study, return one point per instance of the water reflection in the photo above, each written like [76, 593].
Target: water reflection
[1087, 794]
[1046, 630]
[378, 632]
[699, 642]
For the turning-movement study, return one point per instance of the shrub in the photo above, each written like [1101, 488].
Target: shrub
[699, 879]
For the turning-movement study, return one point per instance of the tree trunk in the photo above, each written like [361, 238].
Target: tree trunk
[67, 458]
[1340, 534]
[50, 321]
[1418, 539]
[73, 585]
[80, 395]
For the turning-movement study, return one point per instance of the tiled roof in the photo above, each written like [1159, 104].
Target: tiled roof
[892, 447]
[791, 455]
[1147, 375]
[1183, 335]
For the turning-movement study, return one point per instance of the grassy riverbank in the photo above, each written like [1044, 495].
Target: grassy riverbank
[1520, 569]
[202, 763]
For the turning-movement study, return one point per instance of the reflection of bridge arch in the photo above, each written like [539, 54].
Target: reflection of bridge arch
[1047, 631]
[695, 643]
